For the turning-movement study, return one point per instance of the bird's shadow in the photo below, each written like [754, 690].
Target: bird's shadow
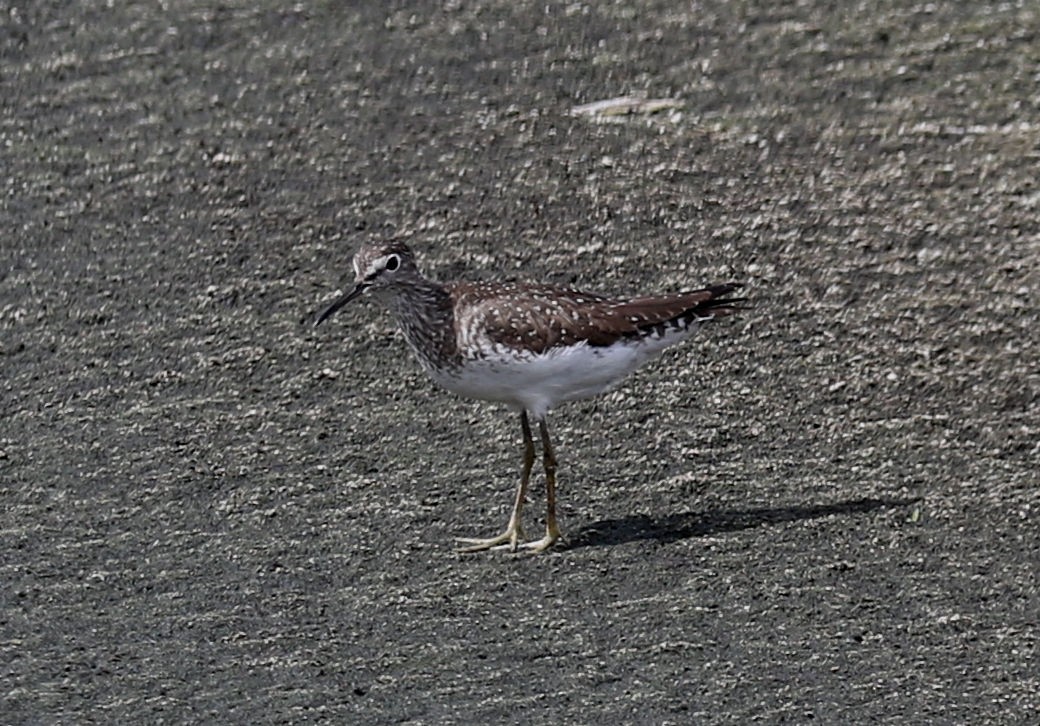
[684, 525]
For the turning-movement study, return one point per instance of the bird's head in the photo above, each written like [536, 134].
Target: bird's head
[378, 268]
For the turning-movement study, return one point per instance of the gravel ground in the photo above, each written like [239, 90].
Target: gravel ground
[825, 510]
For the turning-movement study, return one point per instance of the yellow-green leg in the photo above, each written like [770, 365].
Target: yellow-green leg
[514, 530]
[552, 530]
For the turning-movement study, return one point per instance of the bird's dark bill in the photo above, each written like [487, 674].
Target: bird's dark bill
[331, 309]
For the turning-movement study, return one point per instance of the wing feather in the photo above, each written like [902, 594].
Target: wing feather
[539, 318]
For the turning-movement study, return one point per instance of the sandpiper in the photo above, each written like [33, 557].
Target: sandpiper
[527, 345]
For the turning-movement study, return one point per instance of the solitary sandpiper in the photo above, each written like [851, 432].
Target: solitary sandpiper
[527, 345]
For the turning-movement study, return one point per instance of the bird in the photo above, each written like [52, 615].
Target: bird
[530, 346]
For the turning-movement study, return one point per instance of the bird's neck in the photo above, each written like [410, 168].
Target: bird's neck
[424, 312]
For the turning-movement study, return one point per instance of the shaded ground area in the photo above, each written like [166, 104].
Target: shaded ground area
[825, 510]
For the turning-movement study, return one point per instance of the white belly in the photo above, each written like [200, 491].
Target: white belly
[540, 382]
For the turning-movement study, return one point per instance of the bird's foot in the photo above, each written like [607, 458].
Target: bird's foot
[510, 540]
[543, 544]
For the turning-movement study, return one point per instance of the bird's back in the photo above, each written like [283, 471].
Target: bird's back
[538, 318]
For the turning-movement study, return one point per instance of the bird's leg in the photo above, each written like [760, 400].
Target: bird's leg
[552, 530]
[514, 531]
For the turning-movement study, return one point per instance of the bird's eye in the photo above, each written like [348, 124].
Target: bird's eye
[392, 263]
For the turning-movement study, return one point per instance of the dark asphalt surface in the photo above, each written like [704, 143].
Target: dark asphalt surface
[824, 511]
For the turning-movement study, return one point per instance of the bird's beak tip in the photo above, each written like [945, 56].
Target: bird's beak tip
[343, 300]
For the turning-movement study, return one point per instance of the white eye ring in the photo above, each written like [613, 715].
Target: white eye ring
[392, 263]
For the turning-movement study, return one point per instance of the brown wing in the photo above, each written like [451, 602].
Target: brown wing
[539, 318]
[657, 309]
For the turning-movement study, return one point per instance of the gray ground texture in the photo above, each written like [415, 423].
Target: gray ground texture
[825, 510]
